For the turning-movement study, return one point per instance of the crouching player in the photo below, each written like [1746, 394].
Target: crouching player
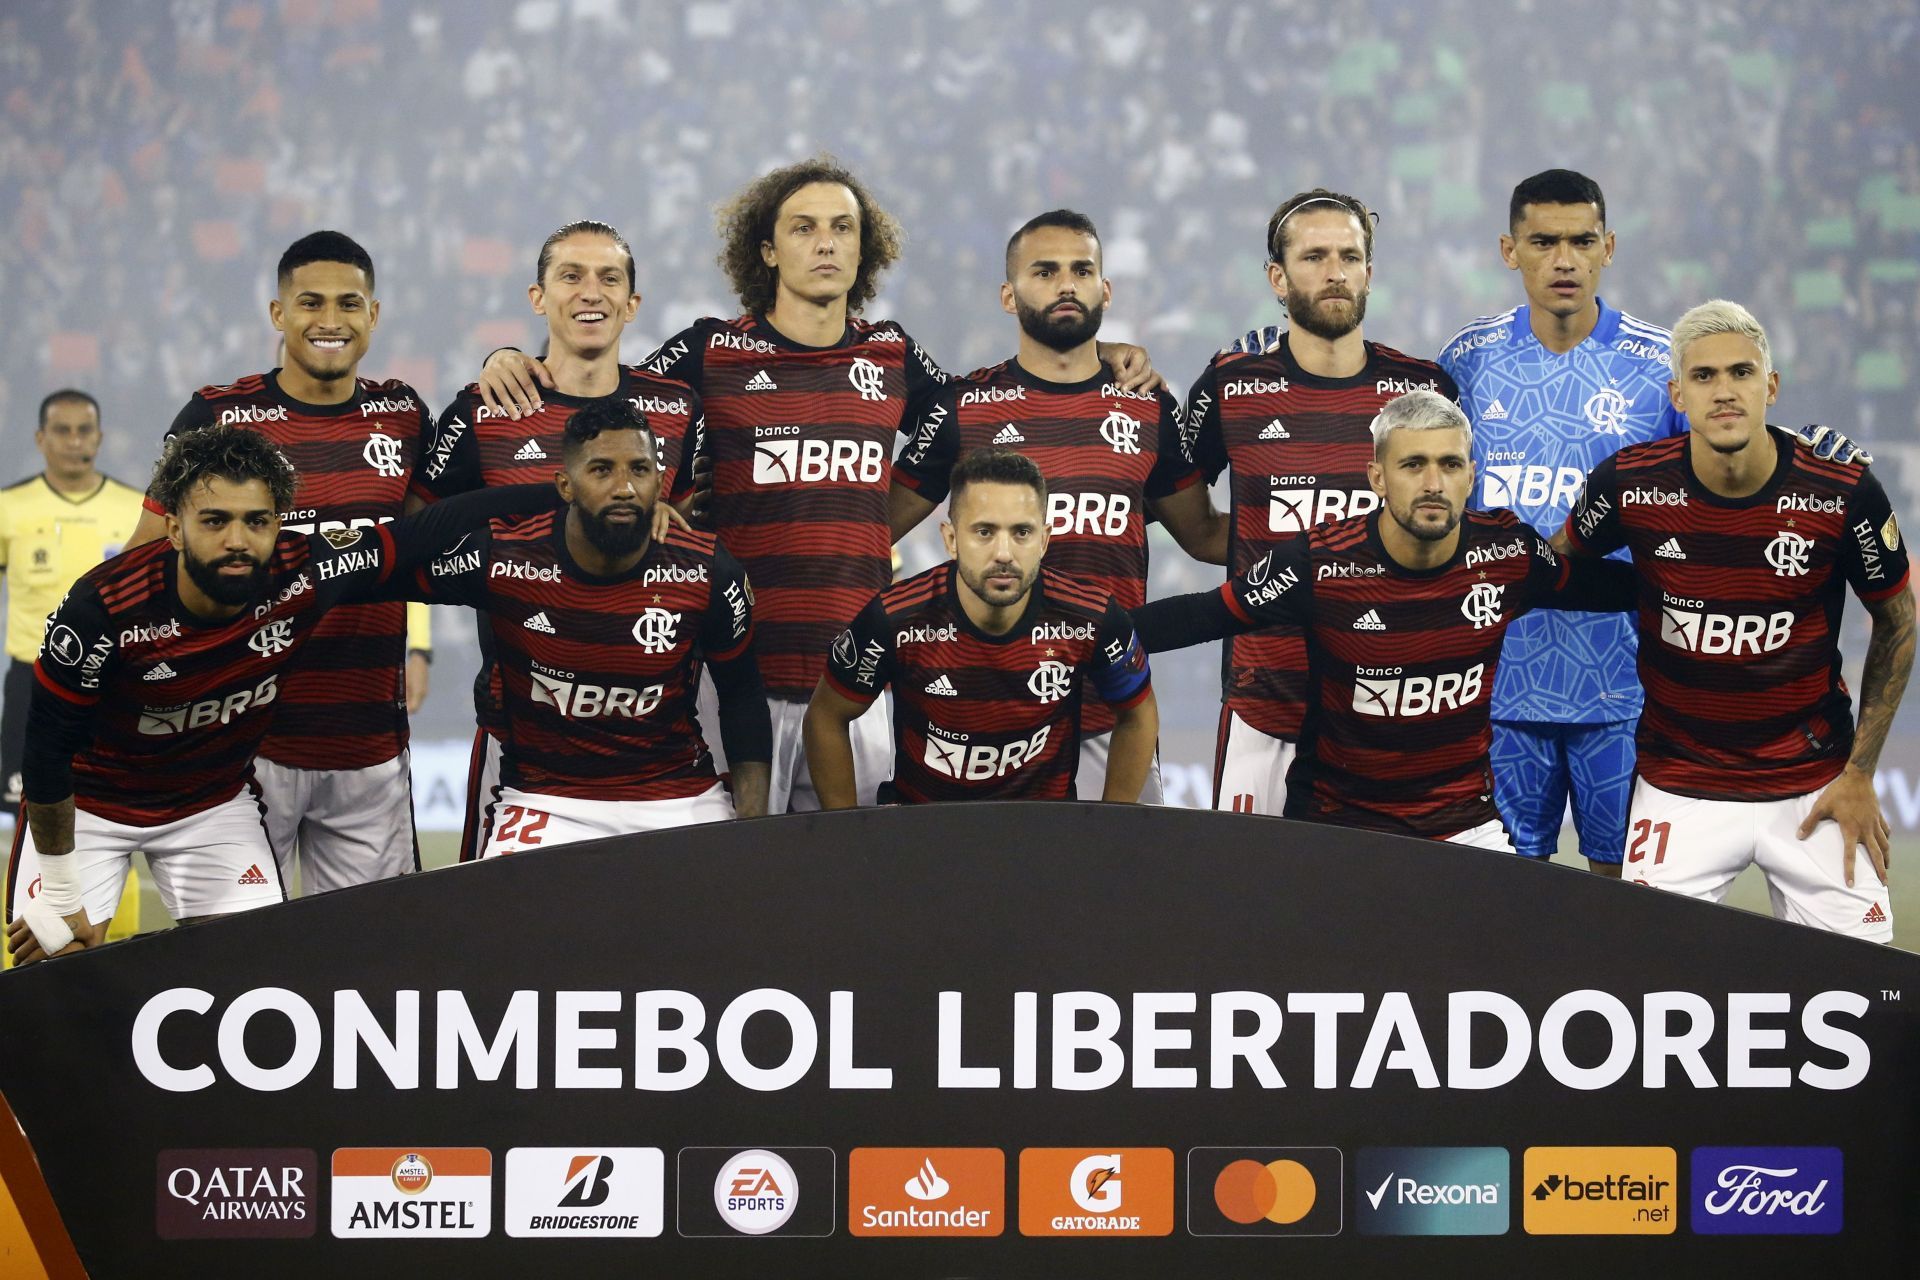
[988, 656]
[156, 683]
[600, 630]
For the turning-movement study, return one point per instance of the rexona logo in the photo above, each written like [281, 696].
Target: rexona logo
[1599, 1191]
[808, 461]
[605, 1191]
[224, 1194]
[758, 1191]
[1083, 1191]
[926, 1191]
[1432, 1191]
[1264, 1191]
[1767, 1191]
[388, 1192]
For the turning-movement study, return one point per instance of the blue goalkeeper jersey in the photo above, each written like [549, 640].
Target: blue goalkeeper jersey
[1541, 422]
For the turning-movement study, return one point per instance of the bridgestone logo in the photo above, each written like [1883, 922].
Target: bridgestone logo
[585, 1222]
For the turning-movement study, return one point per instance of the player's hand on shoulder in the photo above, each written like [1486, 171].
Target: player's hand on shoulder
[1132, 367]
[510, 383]
[1831, 445]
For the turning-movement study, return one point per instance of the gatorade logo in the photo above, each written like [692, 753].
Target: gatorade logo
[1087, 1191]
[1264, 1191]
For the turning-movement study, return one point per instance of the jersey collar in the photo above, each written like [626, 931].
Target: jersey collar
[1604, 330]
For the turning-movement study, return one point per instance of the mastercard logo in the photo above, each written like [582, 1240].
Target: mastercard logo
[1281, 1191]
[1238, 1191]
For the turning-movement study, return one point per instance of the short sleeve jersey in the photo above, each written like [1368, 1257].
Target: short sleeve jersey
[1105, 453]
[180, 705]
[1541, 421]
[802, 442]
[599, 675]
[47, 540]
[1298, 446]
[1398, 726]
[343, 706]
[985, 717]
[1740, 604]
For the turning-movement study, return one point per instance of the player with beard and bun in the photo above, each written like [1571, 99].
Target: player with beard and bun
[803, 403]
[1745, 543]
[160, 674]
[600, 630]
[1402, 610]
[335, 769]
[585, 288]
[1111, 458]
[989, 655]
[1292, 422]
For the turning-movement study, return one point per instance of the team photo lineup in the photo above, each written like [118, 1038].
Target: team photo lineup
[691, 608]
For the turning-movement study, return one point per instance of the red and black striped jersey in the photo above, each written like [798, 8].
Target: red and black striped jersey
[1401, 662]
[179, 705]
[1105, 453]
[984, 717]
[1298, 445]
[473, 447]
[1740, 603]
[600, 675]
[802, 445]
[343, 705]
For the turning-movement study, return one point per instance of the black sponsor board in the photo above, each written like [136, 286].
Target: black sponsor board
[974, 976]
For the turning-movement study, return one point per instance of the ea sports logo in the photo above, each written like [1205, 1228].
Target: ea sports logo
[411, 1174]
[756, 1192]
[1051, 682]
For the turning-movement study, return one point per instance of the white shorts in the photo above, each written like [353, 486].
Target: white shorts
[349, 826]
[790, 785]
[483, 781]
[213, 863]
[525, 820]
[1488, 835]
[1697, 847]
[1250, 768]
[1090, 779]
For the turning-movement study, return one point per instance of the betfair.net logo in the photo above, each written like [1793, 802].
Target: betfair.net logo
[1600, 1190]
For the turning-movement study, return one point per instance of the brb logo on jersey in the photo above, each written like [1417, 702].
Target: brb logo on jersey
[1685, 624]
[1122, 432]
[808, 461]
[383, 455]
[1292, 509]
[980, 761]
[1088, 514]
[1385, 691]
[156, 721]
[575, 700]
[655, 630]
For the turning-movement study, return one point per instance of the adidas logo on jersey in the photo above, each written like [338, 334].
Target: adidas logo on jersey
[761, 382]
[161, 672]
[1496, 412]
[944, 687]
[530, 452]
[1369, 621]
[1874, 915]
[253, 875]
[1009, 434]
[1670, 550]
[1275, 431]
[538, 622]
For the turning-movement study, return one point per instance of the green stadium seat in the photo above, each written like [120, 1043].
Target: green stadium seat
[1874, 189]
[1449, 67]
[1893, 270]
[1567, 103]
[1818, 290]
[1455, 202]
[1879, 371]
[1416, 108]
[1756, 70]
[1836, 232]
[1900, 213]
[1686, 275]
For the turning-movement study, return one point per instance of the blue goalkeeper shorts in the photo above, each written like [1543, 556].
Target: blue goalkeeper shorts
[1537, 767]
